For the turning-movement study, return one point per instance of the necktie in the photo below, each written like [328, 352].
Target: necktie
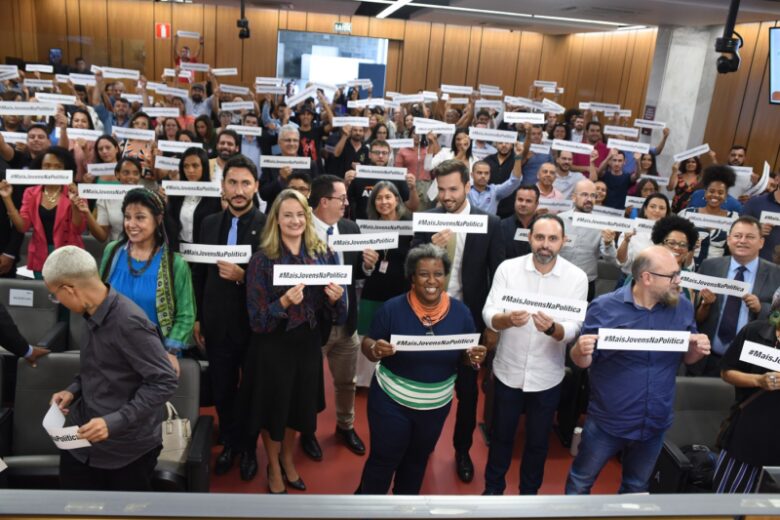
[730, 315]
[233, 233]
[330, 233]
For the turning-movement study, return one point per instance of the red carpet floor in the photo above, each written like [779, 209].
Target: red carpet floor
[339, 471]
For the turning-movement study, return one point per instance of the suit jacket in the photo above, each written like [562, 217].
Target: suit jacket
[207, 206]
[10, 238]
[355, 259]
[767, 281]
[514, 248]
[482, 255]
[10, 337]
[221, 303]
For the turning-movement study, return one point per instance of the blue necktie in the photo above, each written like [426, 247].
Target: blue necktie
[730, 315]
[330, 234]
[233, 233]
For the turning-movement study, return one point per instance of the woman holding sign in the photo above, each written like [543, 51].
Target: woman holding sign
[47, 209]
[411, 393]
[630, 244]
[750, 443]
[684, 181]
[83, 150]
[282, 377]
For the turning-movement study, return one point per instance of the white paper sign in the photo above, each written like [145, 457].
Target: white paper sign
[63, 438]
[192, 189]
[138, 134]
[606, 210]
[521, 235]
[3, 465]
[693, 152]
[621, 130]
[43, 177]
[457, 223]
[36, 67]
[256, 131]
[196, 67]
[743, 170]
[491, 104]
[270, 89]
[87, 80]
[770, 217]
[441, 128]
[177, 146]
[570, 146]
[628, 146]
[535, 118]
[165, 90]
[552, 106]
[652, 340]
[27, 108]
[567, 309]
[541, 84]
[225, 72]
[410, 98]
[709, 221]
[726, 286]
[401, 143]
[38, 83]
[289, 275]
[624, 112]
[14, 137]
[136, 98]
[63, 99]
[457, 89]
[101, 169]
[20, 298]
[210, 254]
[84, 133]
[643, 226]
[401, 227]
[302, 96]
[232, 89]
[429, 95]
[636, 202]
[6, 75]
[760, 355]
[539, 148]
[555, 206]
[604, 107]
[360, 82]
[490, 90]
[388, 173]
[601, 222]
[647, 123]
[762, 183]
[167, 163]
[433, 343]
[350, 121]
[262, 80]
[584, 105]
[188, 34]
[278, 161]
[494, 136]
[104, 191]
[115, 73]
[361, 241]
[519, 101]
[237, 106]
[161, 111]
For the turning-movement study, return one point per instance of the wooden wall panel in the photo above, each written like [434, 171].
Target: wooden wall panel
[93, 20]
[590, 63]
[528, 60]
[10, 36]
[72, 47]
[613, 67]
[52, 27]
[25, 23]
[360, 25]
[435, 52]
[321, 23]
[414, 62]
[384, 28]
[455, 54]
[260, 48]
[210, 35]
[553, 60]
[763, 143]
[638, 70]
[393, 75]
[498, 58]
[475, 45]
[229, 47]
[296, 20]
[752, 100]
[131, 40]
[162, 54]
[574, 44]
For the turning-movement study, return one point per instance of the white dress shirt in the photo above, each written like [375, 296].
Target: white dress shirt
[527, 358]
[455, 287]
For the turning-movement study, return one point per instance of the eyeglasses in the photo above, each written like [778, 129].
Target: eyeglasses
[674, 244]
[672, 277]
[343, 199]
[380, 152]
[587, 195]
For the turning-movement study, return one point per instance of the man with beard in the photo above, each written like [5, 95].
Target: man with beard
[198, 104]
[593, 136]
[228, 145]
[587, 245]
[349, 151]
[312, 133]
[533, 161]
[274, 180]
[529, 365]
[578, 129]
[526, 204]
[502, 164]
[565, 178]
[632, 391]
[222, 326]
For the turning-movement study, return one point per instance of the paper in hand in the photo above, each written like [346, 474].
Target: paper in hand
[65, 438]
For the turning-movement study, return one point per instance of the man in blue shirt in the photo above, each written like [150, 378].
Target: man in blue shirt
[487, 196]
[632, 391]
[533, 161]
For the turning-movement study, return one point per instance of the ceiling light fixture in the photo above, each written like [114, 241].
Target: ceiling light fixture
[395, 6]
[632, 28]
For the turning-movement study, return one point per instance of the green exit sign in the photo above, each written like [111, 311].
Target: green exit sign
[342, 27]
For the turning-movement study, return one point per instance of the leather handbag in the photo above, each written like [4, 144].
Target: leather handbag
[176, 436]
[728, 424]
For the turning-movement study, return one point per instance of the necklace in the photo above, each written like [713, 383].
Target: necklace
[52, 198]
[142, 270]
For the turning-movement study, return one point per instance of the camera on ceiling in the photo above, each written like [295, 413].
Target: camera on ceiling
[729, 59]
[243, 26]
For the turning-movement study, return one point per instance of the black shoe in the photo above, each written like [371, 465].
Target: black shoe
[297, 484]
[247, 465]
[267, 474]
[311, 447]
[465, 467]
[225, 460]
[351, 439]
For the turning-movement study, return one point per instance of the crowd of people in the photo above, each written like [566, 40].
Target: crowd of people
[265, 341]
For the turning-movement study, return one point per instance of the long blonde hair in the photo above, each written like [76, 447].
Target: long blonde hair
[271, 241]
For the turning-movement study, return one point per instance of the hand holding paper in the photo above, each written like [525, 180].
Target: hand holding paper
[65, 438]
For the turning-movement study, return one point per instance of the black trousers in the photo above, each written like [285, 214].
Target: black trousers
[136, 476]
[225, 360]
[466, 418]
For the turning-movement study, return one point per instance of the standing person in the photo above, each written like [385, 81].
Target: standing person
[486, 196]
[526, 204]
[282, 382]
[684, 181]
[769, 201]
[469, 282]
[632, 392]
[350, 150]
[612, 173]
[274, 180]
[329, 199]
[117, 399]
[502, 164]
[405, 428]
[110, 220]
[594, 137]
[533, 161]
[228, 145]
[530, 356]
[413, 159]
[14, 342]
[655, 207]
[222, 326]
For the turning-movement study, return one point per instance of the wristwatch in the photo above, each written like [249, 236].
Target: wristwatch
[550, 331]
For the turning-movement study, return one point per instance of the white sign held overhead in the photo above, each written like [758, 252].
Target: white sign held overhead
[37, 67]
[87, 80]
[161, 111]
[628, 146]
[232, 71]
[188, 34]
[104, 191]
[541, 84]
[433, 343]
[14, 137]
[27, 108]
[643, 340]
[399, 143]
[286, 275]
[534, 118]
[621, 131]
[278, 161]
[270, 89]
[553, 107]
[457, 89]
[564, 309]
[117, 73]
[494, 136]
[647, 123]
[177, 146]
[570, 146]
[38, 83]
[762, 183]
[233, 89]
[725, 286]
[237, 106]
[63, 99]
[262, 80]
[388, 173]
[296, 99]
[256, 131]
[409, 98]
[457, 223]
[138, 134]
[693, 152]
[195, 67]
[84, 133]
[101, 169]
[43, 177]
[601, 222]
[350, 121]
[361, 241]
[603, 107]
[211, 254]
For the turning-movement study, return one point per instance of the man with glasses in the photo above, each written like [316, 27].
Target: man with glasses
[274, 180]
[721, 317]
[587, 245]
[359, 190]
[341, 346]
[632, 391]
[300, 182]
[349, 151]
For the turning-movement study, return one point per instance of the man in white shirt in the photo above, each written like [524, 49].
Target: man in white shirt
[530, 356]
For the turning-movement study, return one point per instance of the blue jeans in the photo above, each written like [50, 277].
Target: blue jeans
[539, 408]
[598, 446]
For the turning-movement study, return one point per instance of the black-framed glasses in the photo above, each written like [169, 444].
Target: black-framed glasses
[672, 277]
[343, 199]
[674, 244]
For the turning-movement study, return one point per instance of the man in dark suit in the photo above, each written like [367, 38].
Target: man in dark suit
[222, 328]
[10, 238]
[721, 317]
[13, 341]
[341, 346]
[526, 203]
[475, 257]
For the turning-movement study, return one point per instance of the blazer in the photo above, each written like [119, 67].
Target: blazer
[207, 206]
[355, 259]
[767, 281]
[10, 238]
[221, 303]
[10, 337]
[482, 255]
[514, 248]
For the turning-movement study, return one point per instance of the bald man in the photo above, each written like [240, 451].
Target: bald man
[632, 391]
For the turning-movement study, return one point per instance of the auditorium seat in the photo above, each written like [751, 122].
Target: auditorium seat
[608, 276]
[700, 405]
